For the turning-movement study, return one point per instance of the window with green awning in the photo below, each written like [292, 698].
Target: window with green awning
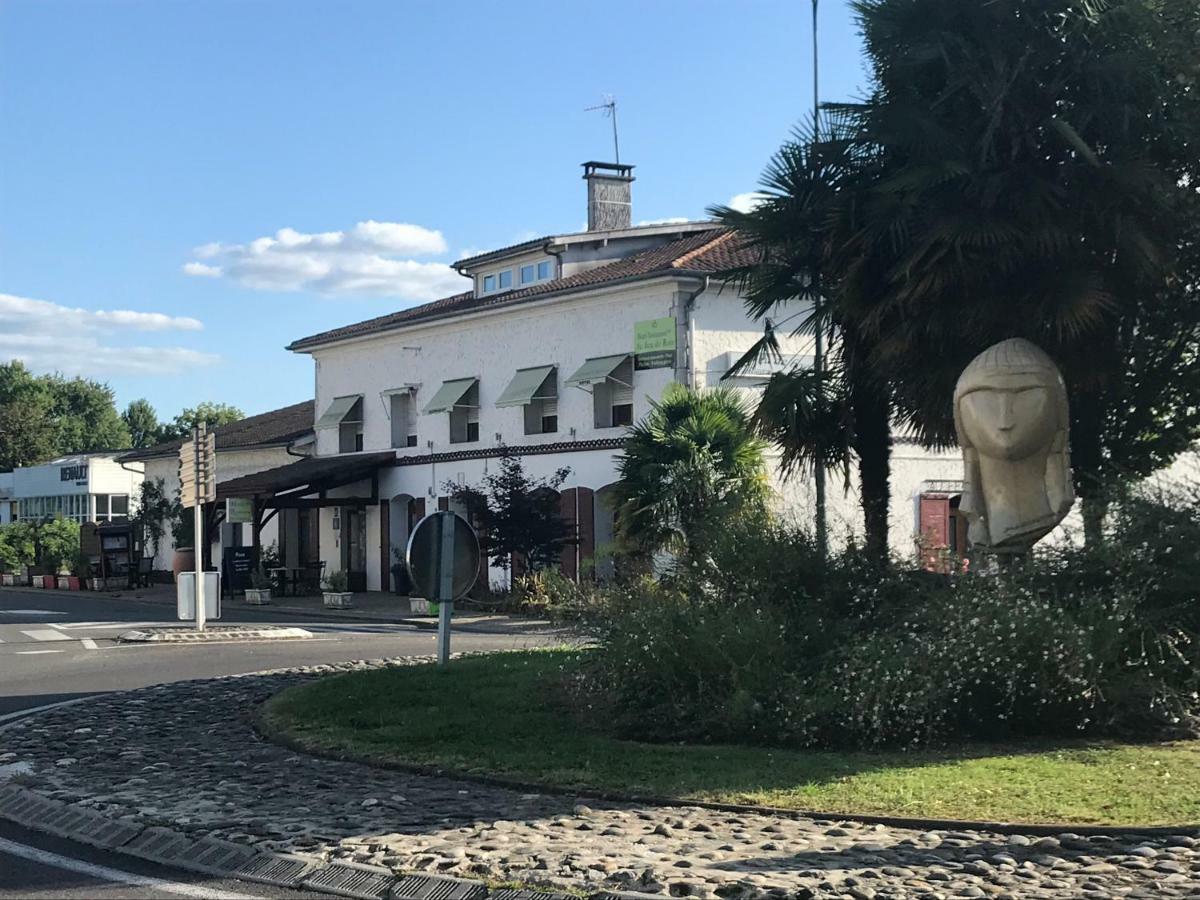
[597, 370]
[337, 411]
[450, 395]
[526, 386]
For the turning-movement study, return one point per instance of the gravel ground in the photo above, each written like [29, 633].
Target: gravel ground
[186, 756]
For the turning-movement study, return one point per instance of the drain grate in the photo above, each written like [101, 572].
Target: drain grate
[425, 887]
[67, 821]
[275, 868]
[215, 856]
[108, 833]
[160, 845]
[351, 880]
[525, 894]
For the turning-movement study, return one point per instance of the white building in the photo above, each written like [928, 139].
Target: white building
[553, 346]
[249, 445]
[86, 487]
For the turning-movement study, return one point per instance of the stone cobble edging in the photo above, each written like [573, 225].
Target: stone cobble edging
[185, 756]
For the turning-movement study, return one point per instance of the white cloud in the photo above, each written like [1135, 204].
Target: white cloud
[25, 315]
[201, 270]
[746, 202]
[87, 357]
[371, 259]
[49, 337]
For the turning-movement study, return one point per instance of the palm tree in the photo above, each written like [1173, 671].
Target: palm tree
[692, 464]
[1021, 168]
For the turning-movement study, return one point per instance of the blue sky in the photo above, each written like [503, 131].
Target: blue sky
[187, 186]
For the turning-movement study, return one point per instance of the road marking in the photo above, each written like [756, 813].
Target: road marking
[89, 644]
[37, 652]
[45, 634]
[32, 612]
[104, 873]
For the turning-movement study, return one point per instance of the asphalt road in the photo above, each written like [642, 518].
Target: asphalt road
[56, 647]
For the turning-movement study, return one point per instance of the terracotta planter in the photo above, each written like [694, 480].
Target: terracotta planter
[184, 560]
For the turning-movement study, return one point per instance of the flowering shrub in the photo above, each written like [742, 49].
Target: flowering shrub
[762, 644]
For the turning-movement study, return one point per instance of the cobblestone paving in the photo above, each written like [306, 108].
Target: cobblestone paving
[185, 756]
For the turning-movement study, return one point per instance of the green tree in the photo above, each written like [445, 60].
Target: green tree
[155, 512]
[27, 429]
[690, 466]
[212, 414]
[1022, 168]
[86, 416]
[142, 422]
[518, 515]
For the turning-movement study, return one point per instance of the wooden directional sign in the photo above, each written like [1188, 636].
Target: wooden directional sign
[198, 477]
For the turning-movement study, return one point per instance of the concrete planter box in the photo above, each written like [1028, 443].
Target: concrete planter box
[421, 607]
[256, 597]
[68, 583]
[41, 581]
[338, 599]
[8, 580]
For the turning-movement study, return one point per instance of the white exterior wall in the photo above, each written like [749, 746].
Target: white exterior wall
[230, 464]
[491, 346]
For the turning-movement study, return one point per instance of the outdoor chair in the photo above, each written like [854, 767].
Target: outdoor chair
[312, 577]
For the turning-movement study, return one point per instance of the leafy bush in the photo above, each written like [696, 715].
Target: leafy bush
[57, 540]
[337, 582]
[16, 547]
[764, 644]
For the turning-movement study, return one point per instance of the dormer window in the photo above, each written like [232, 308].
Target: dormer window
[525, 274]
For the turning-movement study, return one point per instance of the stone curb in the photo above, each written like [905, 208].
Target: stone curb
[1041, 829]
[225, 859]
[218, 633]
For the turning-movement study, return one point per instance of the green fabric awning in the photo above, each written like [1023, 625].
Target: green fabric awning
[449, 395]
[597, 370]
[337, 411]
[525, 386]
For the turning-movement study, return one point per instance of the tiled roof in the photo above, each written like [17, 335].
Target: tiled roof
[502, 251]
[424, 459]
[708, 251]
[279, 426]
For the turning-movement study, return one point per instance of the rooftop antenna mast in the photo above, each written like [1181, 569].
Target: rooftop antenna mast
[610, 111]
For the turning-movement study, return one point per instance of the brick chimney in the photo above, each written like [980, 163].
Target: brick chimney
[610, 195]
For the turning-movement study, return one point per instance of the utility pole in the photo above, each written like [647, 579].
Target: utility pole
[815, 282]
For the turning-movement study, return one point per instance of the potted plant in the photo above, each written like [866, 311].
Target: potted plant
[259, 592]
[335, 591]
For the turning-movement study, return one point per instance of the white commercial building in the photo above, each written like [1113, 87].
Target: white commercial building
[554, 345]
[86, 487]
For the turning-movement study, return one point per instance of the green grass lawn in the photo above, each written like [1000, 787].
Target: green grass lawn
[501, 715]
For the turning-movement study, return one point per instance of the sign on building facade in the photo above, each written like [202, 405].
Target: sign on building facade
[654, 343]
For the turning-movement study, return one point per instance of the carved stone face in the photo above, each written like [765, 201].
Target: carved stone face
[1012, 417]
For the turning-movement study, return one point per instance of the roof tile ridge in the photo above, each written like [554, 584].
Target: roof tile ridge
[686, 258]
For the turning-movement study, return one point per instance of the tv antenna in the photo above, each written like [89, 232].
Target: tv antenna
[610, 111]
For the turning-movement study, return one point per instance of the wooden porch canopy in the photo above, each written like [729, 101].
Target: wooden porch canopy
[292, 486]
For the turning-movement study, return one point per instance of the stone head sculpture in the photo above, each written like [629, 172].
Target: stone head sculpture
[1010, 412]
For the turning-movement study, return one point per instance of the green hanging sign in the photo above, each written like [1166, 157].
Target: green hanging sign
[654, 343]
